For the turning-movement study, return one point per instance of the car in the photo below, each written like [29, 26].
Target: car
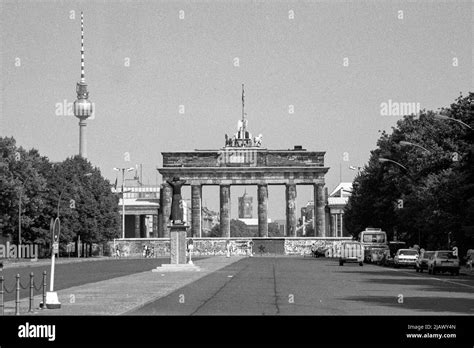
[351, 252]
[319, 251]
[389, 254]
[422, 261]
[443, 261]
[405, 258]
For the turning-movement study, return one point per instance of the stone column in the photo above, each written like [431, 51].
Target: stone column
[291, 210]
[319, 214]
[155, 225]
[196, 209]
[262, 195]
[137, 226]
[225, 211]
[166, 209]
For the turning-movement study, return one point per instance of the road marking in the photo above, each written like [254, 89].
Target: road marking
[441, 280]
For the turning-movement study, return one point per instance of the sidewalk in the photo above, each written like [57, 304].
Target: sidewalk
[120, 295]
[13, 263]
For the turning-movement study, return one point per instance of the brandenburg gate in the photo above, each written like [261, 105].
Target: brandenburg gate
[243, 161]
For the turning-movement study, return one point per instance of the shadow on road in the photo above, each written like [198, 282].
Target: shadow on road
[422, 304]
[425, 284]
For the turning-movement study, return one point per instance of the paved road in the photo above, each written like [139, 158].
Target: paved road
[73, 274]
[307, 286]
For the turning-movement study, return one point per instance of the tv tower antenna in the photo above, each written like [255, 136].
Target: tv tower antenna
[83, 108]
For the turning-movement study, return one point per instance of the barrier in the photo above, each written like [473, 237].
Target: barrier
[240, 246]
[17, 288]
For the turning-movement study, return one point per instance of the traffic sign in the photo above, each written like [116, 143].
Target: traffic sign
[56, 230]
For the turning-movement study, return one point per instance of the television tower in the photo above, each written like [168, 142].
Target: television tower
[82, 106]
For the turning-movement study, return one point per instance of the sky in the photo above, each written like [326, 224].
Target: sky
[315, 72]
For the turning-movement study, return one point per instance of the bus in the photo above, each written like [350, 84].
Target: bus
[374, 241]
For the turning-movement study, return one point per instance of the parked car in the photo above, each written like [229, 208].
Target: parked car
[443, 261]
[318, 251]
[405, 258]
[393, 247]
[351, 252]
[422, 261]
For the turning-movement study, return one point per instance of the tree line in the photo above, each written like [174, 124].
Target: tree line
[37, 189]
[418, 184]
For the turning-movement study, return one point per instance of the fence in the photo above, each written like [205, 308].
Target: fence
[17, 287]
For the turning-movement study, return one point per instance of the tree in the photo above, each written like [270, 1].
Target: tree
[237, 229]
[436, 189]
[274, 230]
[21, 178]
[87, 207]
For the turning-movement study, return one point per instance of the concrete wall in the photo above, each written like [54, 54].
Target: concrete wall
[131, 247]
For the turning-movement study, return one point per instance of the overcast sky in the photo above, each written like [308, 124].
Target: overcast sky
[333, 62]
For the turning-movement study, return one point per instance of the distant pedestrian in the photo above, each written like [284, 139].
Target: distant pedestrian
[250, 249]
[228, 246]
[469, 257]
[117, 252]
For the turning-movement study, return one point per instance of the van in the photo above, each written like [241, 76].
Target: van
[351, 252]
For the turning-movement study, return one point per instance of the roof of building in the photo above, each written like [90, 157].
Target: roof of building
[140, 202]
[342, 190]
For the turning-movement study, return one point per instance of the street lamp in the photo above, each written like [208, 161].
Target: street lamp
[383, 160]
[447, 118]
[123, 196]
[408, 143]
[19, 215]
[355, 168]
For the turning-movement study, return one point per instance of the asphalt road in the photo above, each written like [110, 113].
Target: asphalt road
[308, 286]
[77, 273]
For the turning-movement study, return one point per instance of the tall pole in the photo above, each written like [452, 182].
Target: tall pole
[123, 204]
[123, 196]
[19, 227]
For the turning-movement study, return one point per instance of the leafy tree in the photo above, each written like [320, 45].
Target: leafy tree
[274, 230]
[436, 188]
[87, 207]
[237, 229]
[21, 178]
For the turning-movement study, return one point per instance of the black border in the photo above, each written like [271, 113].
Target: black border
[291, 331]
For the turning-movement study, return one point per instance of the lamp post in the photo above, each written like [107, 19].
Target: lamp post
[19, 216]
[383, 160]
[408, 143]
[355, 168]
[123, 196]
[447, 118]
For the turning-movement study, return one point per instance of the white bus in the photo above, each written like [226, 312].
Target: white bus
[375, 244]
